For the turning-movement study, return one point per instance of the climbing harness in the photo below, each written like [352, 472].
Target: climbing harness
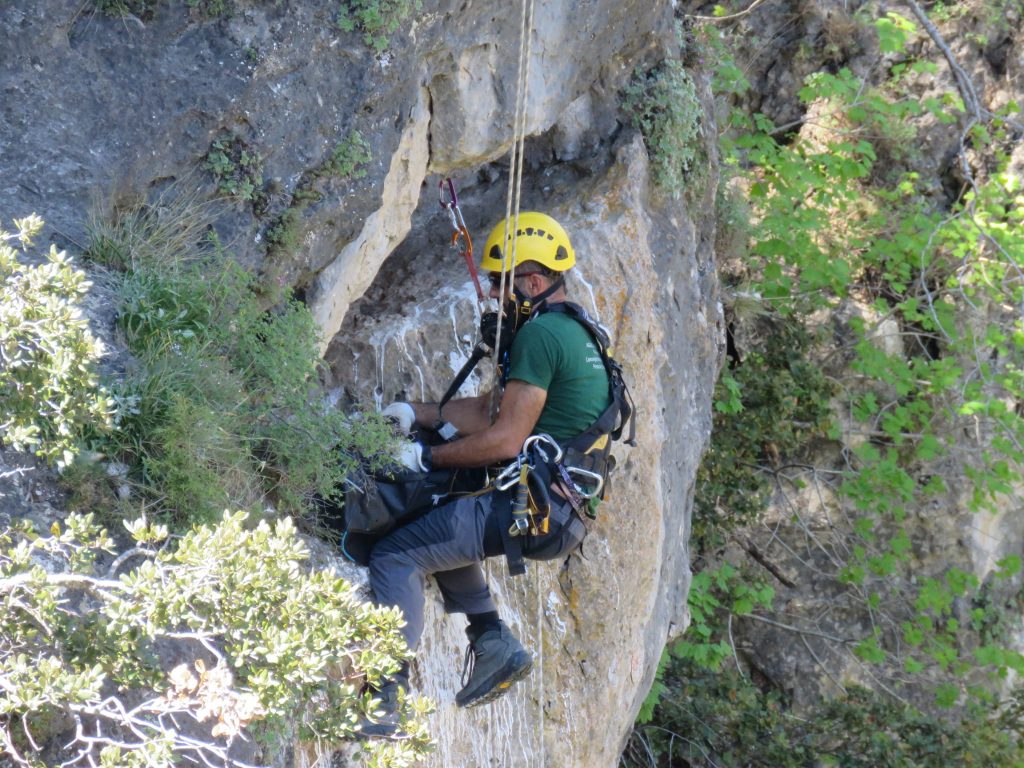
[591, 449]
[460, 234]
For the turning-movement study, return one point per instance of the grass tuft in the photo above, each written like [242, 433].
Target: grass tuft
[221, 404]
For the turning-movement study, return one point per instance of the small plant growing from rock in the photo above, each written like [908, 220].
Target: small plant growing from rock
[237, 169]
[49, 391]
[209, 8]
[347, 162]
[122, 8]
[349, 157]
[663, 104]
[376, 19]
[283, 234]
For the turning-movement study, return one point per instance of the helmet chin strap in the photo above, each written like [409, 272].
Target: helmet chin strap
[520, 306]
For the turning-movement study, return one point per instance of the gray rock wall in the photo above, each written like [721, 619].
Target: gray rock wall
[598, 619]
[99, 112]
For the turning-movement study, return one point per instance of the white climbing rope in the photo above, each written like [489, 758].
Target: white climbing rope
[512, 202]
[540, 665]
[515, 175]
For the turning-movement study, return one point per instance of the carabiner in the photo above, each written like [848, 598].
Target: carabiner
[451, 204]
[532, 442]
[594, 482]
[453, 199]
[461, 231]
[509, 476]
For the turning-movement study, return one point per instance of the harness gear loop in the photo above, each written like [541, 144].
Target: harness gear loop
[521, 503]
[461, 231]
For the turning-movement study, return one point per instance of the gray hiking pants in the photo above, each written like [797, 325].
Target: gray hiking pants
[450, 543]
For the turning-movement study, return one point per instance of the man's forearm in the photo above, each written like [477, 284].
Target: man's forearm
[488, 446]
[521, 406]
[469, 414]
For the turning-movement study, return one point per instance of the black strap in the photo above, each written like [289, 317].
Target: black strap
[480, 351]
[620, 412]
[536, 302]
[513, 545]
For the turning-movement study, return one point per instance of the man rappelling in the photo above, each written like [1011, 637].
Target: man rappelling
[561, 400]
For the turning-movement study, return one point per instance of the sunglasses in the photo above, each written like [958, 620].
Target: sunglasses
[495, 279]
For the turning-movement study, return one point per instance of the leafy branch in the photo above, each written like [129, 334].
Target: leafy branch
[265, 643]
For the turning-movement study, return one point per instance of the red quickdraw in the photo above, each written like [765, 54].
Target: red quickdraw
[451, 205]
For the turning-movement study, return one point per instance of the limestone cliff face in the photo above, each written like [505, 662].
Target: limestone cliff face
[597, 619]
[101, 111]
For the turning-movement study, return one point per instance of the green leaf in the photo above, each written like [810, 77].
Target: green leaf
[946, 695]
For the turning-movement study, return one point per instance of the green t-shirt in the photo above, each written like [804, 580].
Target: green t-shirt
[557, 354]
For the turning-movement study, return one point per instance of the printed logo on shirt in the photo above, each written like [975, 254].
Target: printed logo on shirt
[594, 360]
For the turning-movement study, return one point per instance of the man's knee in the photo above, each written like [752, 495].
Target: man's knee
[385, 561]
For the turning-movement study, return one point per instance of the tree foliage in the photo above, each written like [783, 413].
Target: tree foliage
[258, 643]
[49, 388]
[717, 718]
[923, 383]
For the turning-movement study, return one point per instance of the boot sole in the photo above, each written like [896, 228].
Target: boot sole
[515, 669]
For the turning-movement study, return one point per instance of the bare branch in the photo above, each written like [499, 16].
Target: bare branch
[774, 570]
[732, 644]
[119, 561]
[811, 632]
[62, 580]
[739, 15]
[821, 666]
[10, 749]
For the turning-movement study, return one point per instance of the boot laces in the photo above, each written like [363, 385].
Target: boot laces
[469, 665]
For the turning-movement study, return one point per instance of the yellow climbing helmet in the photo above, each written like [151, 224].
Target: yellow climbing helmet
[539, 238]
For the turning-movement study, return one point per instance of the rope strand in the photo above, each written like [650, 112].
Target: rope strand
[515, 176]
[513, 198]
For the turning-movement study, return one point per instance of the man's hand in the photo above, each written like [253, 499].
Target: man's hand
[402, 414]
[414, 457]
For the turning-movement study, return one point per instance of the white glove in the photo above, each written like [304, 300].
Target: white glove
[403, 414]
[410, 456]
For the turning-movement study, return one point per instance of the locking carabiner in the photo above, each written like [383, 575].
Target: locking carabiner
[461, 231]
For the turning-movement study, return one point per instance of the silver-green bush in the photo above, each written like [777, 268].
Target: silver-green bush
[261, 644]
[49, 392]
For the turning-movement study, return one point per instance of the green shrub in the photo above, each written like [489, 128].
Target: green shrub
[171, 232]
[349, 157]
[262, 646]
[708, 718]
[768, 404]
[376, 19]
[49, 392]
[663, 104]
[222, 401]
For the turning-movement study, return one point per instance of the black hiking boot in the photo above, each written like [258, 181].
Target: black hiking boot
[385, 722]
[495, 660]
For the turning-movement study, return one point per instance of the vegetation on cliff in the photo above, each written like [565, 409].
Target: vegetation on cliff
[214, 407]
[916, 378]
[211, 637]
